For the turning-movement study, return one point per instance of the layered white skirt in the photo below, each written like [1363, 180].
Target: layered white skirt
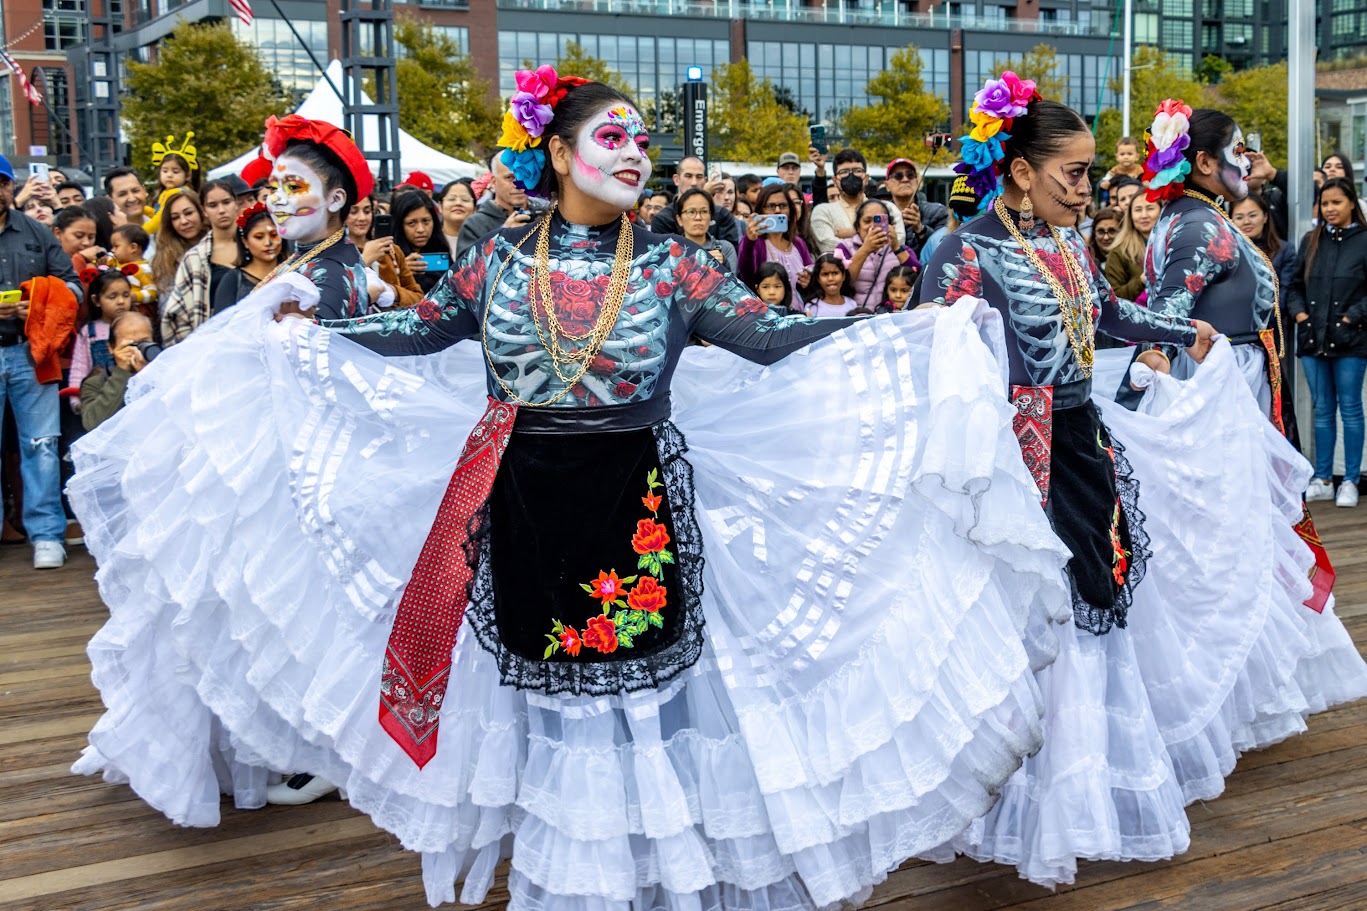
[881, 588]
[1220, 655]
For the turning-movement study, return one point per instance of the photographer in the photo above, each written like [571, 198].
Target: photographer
[130, 343]
[921, 217]
[507, 208]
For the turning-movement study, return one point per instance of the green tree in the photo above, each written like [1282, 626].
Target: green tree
[1256, 99]
[206, 80]
[746, 121]
[1213, 68]
[903, 114]
[576, 61]
[1040, 63]
[442, 101]
[1153, 77]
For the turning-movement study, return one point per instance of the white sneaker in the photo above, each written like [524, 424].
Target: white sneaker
[1320, 490]
[299, 789]
[1348, 494]
[51, 554]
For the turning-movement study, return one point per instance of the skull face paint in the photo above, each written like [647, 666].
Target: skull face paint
[298, 201]
[1234, 167]
[610, 156]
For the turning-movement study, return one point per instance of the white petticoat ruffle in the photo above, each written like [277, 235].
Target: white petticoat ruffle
[880, 587]
[1232, 659]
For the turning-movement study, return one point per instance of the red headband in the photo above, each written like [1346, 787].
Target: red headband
[280, 131]
[254, 209]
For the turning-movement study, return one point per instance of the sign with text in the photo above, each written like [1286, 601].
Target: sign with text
[695, 119]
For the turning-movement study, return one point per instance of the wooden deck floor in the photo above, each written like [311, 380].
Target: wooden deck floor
[1290, 833]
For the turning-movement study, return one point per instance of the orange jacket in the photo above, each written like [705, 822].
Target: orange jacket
[50, 324]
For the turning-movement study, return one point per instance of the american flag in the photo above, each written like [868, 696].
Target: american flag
[34, 96]
[243, 8]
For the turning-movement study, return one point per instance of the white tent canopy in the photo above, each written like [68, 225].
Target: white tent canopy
[323, 104]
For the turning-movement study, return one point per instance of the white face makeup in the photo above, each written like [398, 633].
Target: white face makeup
[299, 202]
[610, 161]
[1234, 166]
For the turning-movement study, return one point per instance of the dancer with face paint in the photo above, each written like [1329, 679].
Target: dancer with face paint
[1289, 655]
[637, 613]
[1102, 786]
[317, 175]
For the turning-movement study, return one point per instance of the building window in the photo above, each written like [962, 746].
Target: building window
[281, 53]
[63, 23]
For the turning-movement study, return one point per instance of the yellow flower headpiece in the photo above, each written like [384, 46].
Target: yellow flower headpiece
[186, 151]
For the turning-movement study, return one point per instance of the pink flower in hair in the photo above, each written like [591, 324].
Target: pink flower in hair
[539, 82]
[994, 100]
[1174, 106]
[531, 113]
[1022, 90]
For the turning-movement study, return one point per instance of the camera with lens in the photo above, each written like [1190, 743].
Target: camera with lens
[149, 350]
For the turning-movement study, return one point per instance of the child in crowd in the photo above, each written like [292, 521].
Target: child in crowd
[832, 294]
[107, 297]
[129, 248]
[1127, 162]
[176, 170]
[103, 393]
[773, 286]
[897, 290]
[74, 229]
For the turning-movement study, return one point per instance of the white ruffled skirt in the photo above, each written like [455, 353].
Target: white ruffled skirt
[1232, 659]
[881, 588]
[1219, 655]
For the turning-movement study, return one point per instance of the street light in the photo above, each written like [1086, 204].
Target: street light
[694, 74]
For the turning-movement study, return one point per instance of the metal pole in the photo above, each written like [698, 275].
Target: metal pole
[1300, 112]
[1128, 51]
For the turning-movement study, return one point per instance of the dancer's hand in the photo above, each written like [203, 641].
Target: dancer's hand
[1205, 337]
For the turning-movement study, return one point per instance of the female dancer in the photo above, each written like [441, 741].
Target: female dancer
[1288, 660]
[1102, 786]
[635, 727]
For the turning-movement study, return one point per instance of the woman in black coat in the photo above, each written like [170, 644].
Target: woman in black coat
[1328, 299]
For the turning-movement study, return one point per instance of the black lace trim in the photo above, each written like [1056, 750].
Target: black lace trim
[603, 678]
[1099, 620]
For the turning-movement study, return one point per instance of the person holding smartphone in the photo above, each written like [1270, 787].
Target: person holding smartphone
[415, 234]
[871, 254]
[28, 250]
[771, 236]
[506, 208]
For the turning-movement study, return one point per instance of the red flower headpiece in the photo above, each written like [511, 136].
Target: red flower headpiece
[281, 131]
[247, 213]
[257, 171]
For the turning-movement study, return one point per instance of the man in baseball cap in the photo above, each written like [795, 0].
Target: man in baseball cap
[921, 217]
[790, 168]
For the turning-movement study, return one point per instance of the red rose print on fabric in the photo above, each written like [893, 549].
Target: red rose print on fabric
[1196, 283]
[626, 613]
[428, 310]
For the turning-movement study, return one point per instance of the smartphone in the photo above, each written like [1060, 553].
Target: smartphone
[1254, 142]
[880, 220]
[383, 225]
[819, 138]
[39, 170]
[771, 224]
[437, 262]
[713, 173]
[11, 297]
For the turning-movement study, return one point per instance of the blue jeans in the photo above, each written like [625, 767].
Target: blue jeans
[1336, 388]
[35, 412]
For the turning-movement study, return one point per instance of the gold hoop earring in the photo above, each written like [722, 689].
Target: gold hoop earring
[1027, 216]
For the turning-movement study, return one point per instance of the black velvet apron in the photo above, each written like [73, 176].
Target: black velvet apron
[589, 575]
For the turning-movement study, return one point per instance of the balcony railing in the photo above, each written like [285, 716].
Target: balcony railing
[886, 12]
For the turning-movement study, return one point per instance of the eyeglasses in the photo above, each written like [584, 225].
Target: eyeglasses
[851, 172]
[1106, 232]
[776, 207]
[1246, 216]
[695, 213]
[902, 175]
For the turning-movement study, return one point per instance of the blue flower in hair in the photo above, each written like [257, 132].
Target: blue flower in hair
[527, 166]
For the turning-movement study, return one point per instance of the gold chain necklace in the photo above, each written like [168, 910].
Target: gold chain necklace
[293, 265]
[1267, 261]
[551, 334]
[1076, 308]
